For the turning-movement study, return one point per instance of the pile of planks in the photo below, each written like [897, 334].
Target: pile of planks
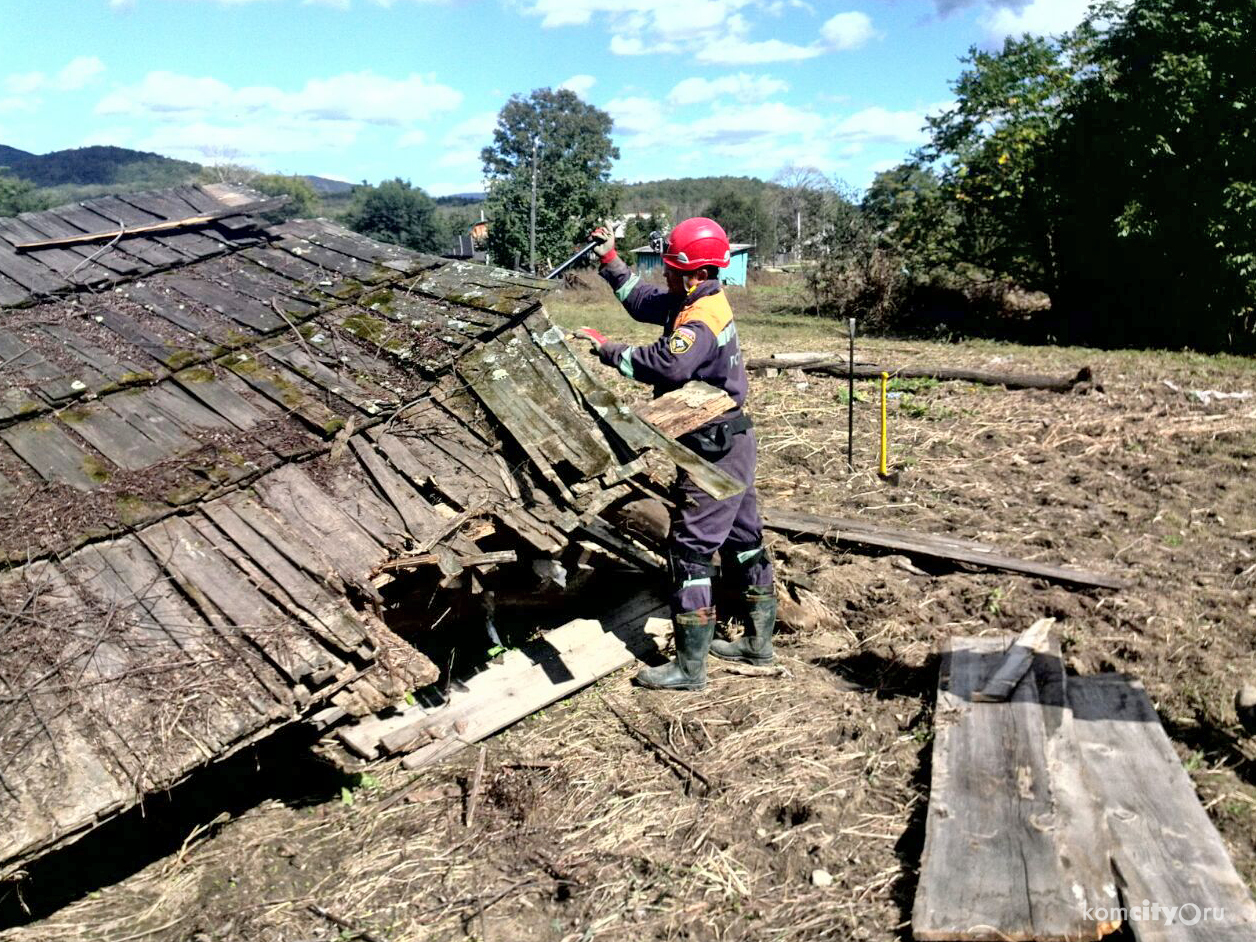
[1059, 811]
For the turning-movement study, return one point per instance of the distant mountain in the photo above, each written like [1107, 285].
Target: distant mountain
[325, 186]
[459, 199]
[97, 166]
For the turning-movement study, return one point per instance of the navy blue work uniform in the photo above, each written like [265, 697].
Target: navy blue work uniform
[699, 342]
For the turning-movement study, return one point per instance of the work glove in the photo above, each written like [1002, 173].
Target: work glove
[605, 248]
[595, 337]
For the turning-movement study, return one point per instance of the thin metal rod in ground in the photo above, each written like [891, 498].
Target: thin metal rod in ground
[473, 793]
[659, 747]
[343, 923]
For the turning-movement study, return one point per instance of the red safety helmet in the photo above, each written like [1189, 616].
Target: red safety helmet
[696, 243]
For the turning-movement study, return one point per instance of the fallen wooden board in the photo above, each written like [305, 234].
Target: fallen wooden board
[929, 546]
[527, 679]
[1165, 849]
[1015, 844]
[685, 409]
[840, 367]
[1016, 663]
[187, 222]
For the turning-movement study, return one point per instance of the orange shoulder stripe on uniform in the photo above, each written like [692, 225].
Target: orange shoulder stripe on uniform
[712, 310]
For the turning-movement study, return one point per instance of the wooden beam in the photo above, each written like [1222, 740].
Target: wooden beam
[834, 366]
[686, 409]
[1015, 843]
[929, 546]
[188, 222]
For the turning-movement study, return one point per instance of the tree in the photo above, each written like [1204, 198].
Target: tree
[396, 212]
[743, 216]
[913, 217]
[302, 200]
[803, 198]
[18, 196]
[995, 148]
[1158, 173]
[548, 174]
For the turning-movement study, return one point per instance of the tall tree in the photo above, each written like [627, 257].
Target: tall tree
[548, 172]
[397, 212]
[1158, 173]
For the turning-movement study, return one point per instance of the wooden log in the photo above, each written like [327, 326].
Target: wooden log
[928, 546]
[1165, 848]
[685, 409]
[494, 558]
[1015, 844]
[1034, 640]
[840, 367]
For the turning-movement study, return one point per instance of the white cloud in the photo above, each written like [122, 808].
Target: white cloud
[847, 30]
[77, 73]
[475, 130]
[733, 51]
[412, 138]
[580, 84]
[881, 126]
[17, 103]
[739, 87]
[1040, 17]
[713, 31]
[80, 71]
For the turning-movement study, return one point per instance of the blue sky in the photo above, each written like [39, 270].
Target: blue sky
[372, 89]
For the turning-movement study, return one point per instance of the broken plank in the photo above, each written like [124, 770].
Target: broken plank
[1166, 849]
[244, 310]
[685, 409]
[287, 389]
[1032, 641]
[226, 598]
[224, 394]
[419, 516]
[1009, 804]
[121, 441]
[928, 546]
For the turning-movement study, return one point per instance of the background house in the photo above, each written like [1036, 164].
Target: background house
[649, 262]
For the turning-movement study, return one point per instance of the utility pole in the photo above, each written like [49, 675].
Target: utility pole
[532, 215]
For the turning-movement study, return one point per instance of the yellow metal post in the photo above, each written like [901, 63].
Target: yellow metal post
[885, 439]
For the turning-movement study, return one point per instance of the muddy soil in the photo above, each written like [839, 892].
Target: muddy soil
[813, 821]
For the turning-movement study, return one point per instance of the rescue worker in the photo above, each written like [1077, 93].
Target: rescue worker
[699, 342]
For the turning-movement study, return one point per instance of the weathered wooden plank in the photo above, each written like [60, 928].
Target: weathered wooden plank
[176, 308]
[226, 597]
[337, 624]
[44, 376]
[120, 441]
[122, 371]
[261, 285]
[133, 333]
[686, 409]
[60, 261]
[163, 207]
[124, 574]
[333, 261]
[11, 293]
[53, 454]
[186, 412]
[114, 259]
[30, 274]
[345, 242]
[288, 390]
[88, 219]
[314, 516]
[222, 392]
[293, 267]
[1008, 799]
[244, 310]
[139, 407]
[1166, 849]
[337, 383]
[419, 516]
[1033, 641]
[928, 546]
[178, 243]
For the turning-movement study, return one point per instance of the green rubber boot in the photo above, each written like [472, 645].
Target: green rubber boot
[694, 631]
[755, 644]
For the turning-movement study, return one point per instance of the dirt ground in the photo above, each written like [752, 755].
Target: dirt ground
[813, 821]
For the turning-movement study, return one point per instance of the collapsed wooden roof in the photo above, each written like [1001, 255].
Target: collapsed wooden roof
[212, 438]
